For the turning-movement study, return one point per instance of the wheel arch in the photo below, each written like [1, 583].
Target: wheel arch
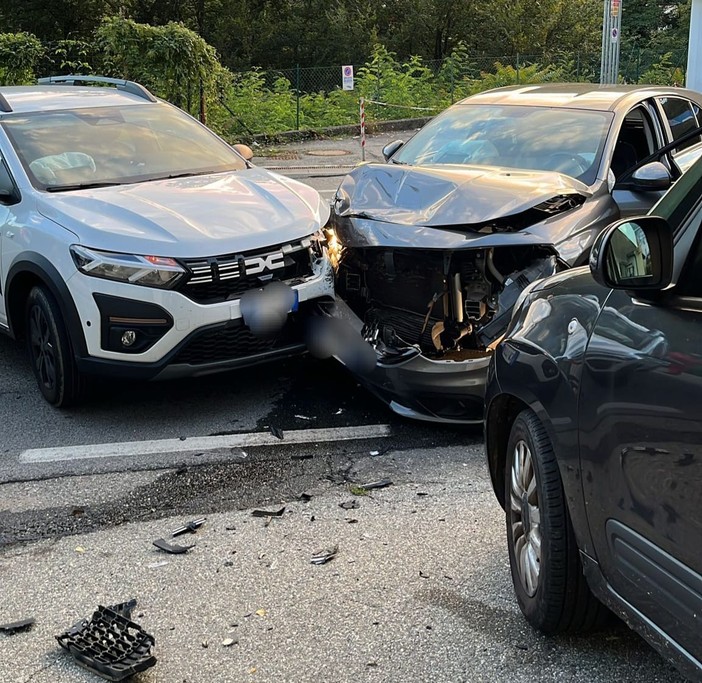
[30, 270]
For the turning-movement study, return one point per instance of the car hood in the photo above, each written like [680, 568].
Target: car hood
[191, 217]
[441, 196]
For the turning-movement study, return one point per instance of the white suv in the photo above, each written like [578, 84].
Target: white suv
[130, 233]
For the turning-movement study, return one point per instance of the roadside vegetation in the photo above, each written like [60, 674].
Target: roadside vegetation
[400, 73]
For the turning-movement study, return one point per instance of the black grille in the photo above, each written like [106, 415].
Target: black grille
[221, 278]
[406, 326]
[232, 343]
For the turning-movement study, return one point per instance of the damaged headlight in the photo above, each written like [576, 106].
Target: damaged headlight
[334, 247]
[150, 271]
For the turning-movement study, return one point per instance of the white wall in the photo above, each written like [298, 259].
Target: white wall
[694, 54]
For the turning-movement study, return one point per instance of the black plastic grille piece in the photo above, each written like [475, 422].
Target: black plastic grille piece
[222, 278]
[109, 644]
[235, 341]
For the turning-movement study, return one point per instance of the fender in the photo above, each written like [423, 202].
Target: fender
[42, 268]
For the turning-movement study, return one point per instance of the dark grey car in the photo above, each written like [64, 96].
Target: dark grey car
[502, 189]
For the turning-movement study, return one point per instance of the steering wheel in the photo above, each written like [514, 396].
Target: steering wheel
[570, 164]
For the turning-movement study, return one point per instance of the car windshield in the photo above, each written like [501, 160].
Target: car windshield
[65, 150]
[569, 141]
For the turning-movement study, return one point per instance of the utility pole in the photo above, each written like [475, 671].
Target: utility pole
[611, 38]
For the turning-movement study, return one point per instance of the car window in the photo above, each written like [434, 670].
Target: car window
[557, 139]
[636, 141]
[115, 144]
[682, 116]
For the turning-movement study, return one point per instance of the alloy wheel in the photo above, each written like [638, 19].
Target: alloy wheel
[525, 517]
[42, 347]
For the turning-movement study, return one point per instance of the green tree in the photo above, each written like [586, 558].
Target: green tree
[19, 56]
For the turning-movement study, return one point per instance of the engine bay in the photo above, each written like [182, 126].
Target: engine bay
[449, 304]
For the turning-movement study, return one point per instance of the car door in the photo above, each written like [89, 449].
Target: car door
[681, 116]
[641, 134]
[641, 445]
[6, 201]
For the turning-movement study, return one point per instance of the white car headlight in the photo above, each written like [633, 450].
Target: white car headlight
[150, 271]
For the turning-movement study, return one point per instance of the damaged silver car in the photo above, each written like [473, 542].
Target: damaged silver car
[435, 247]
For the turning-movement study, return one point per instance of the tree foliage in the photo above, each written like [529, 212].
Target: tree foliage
[19, 55]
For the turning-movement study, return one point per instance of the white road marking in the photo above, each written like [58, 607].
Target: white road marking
[201, 444]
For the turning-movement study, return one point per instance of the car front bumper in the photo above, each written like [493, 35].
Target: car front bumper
[414, 386]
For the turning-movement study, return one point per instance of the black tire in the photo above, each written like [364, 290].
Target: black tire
[50, 352]
[546, 570]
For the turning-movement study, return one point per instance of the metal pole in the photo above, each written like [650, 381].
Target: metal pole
[517, 67]
[363, 128]
[694, 51]
[297, 91]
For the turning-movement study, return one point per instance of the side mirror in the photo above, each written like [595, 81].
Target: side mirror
[391, 148]
[634, 254]
[653, 177]
[244, 151]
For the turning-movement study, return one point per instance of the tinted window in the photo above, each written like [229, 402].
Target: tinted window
[115, 144]
[681, 118]
[569, 141]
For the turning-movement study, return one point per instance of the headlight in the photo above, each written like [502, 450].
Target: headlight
[334, 247]
[150, 271]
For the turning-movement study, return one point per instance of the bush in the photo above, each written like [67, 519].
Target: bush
[19, 55]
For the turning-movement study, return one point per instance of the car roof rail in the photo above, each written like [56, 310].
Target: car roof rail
[121, 84]
[4, 104]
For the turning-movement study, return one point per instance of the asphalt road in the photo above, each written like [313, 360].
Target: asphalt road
[419, 589]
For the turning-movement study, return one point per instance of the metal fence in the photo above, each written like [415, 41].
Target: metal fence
[445, 81]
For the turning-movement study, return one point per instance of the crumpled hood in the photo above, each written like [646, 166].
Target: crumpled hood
[435, 196]
[191, 217]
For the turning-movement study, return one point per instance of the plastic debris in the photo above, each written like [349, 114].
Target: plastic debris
[228, 642]
[17, 626]
[338, 412]
[380, 484]
[324, 556]
[301, 456]
[277, 433]
[303, 417]
[172, 549]
[261, 612]
[268, 513]
[80, 549]
[350, 504]
[109, 644]
[157, 565]
[189, 527]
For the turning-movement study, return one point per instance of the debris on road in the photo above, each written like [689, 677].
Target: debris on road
[80, 549]
[380, 484]
[268, 513]
[301, 456]
[277, 433]
[304, 497]
[324, 556]
[189, 527]
[303, 417]
[109, 644]
[228, 642]
[158, 565]
[17, 626]
[352, 504]
[172, 549]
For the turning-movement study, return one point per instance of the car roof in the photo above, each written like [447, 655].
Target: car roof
[576, 95]
[24, 99]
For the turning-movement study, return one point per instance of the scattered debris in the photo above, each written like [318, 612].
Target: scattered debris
[77, 512]
[277, 433]
[422, 575]
[205, 644]
[338, 412]
[267, 513]
[181, 470]
[352, 521]
[303, 417]
[357, 490]
[372, 664]
[157, 565]
[301, 456]
[352, 504]
[228, 642]
[182, 438]
[422, 493]
[380, 484]
[189, 527]
[324, 556]
[80, 549]
[109, 644]
[375, 452]
[172, 549]
[261, 612]
[17, 626]
[521, 646]
[228, 563]
[304, 497]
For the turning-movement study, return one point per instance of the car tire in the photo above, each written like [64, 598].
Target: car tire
[544, 558]
[50, 351]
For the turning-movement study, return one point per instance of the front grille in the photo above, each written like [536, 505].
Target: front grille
[222, 278]
[406, 327]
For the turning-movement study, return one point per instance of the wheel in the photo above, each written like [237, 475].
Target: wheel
[50, 350]
[546, 570]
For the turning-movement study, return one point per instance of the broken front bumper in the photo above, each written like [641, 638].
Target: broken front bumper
[419, 387]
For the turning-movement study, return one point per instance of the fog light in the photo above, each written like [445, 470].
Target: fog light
[128, 338]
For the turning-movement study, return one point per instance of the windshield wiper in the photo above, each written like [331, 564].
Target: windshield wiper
[80, 186]
[184, 174]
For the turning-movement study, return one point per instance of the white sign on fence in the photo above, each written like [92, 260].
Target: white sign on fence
[347, 77]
